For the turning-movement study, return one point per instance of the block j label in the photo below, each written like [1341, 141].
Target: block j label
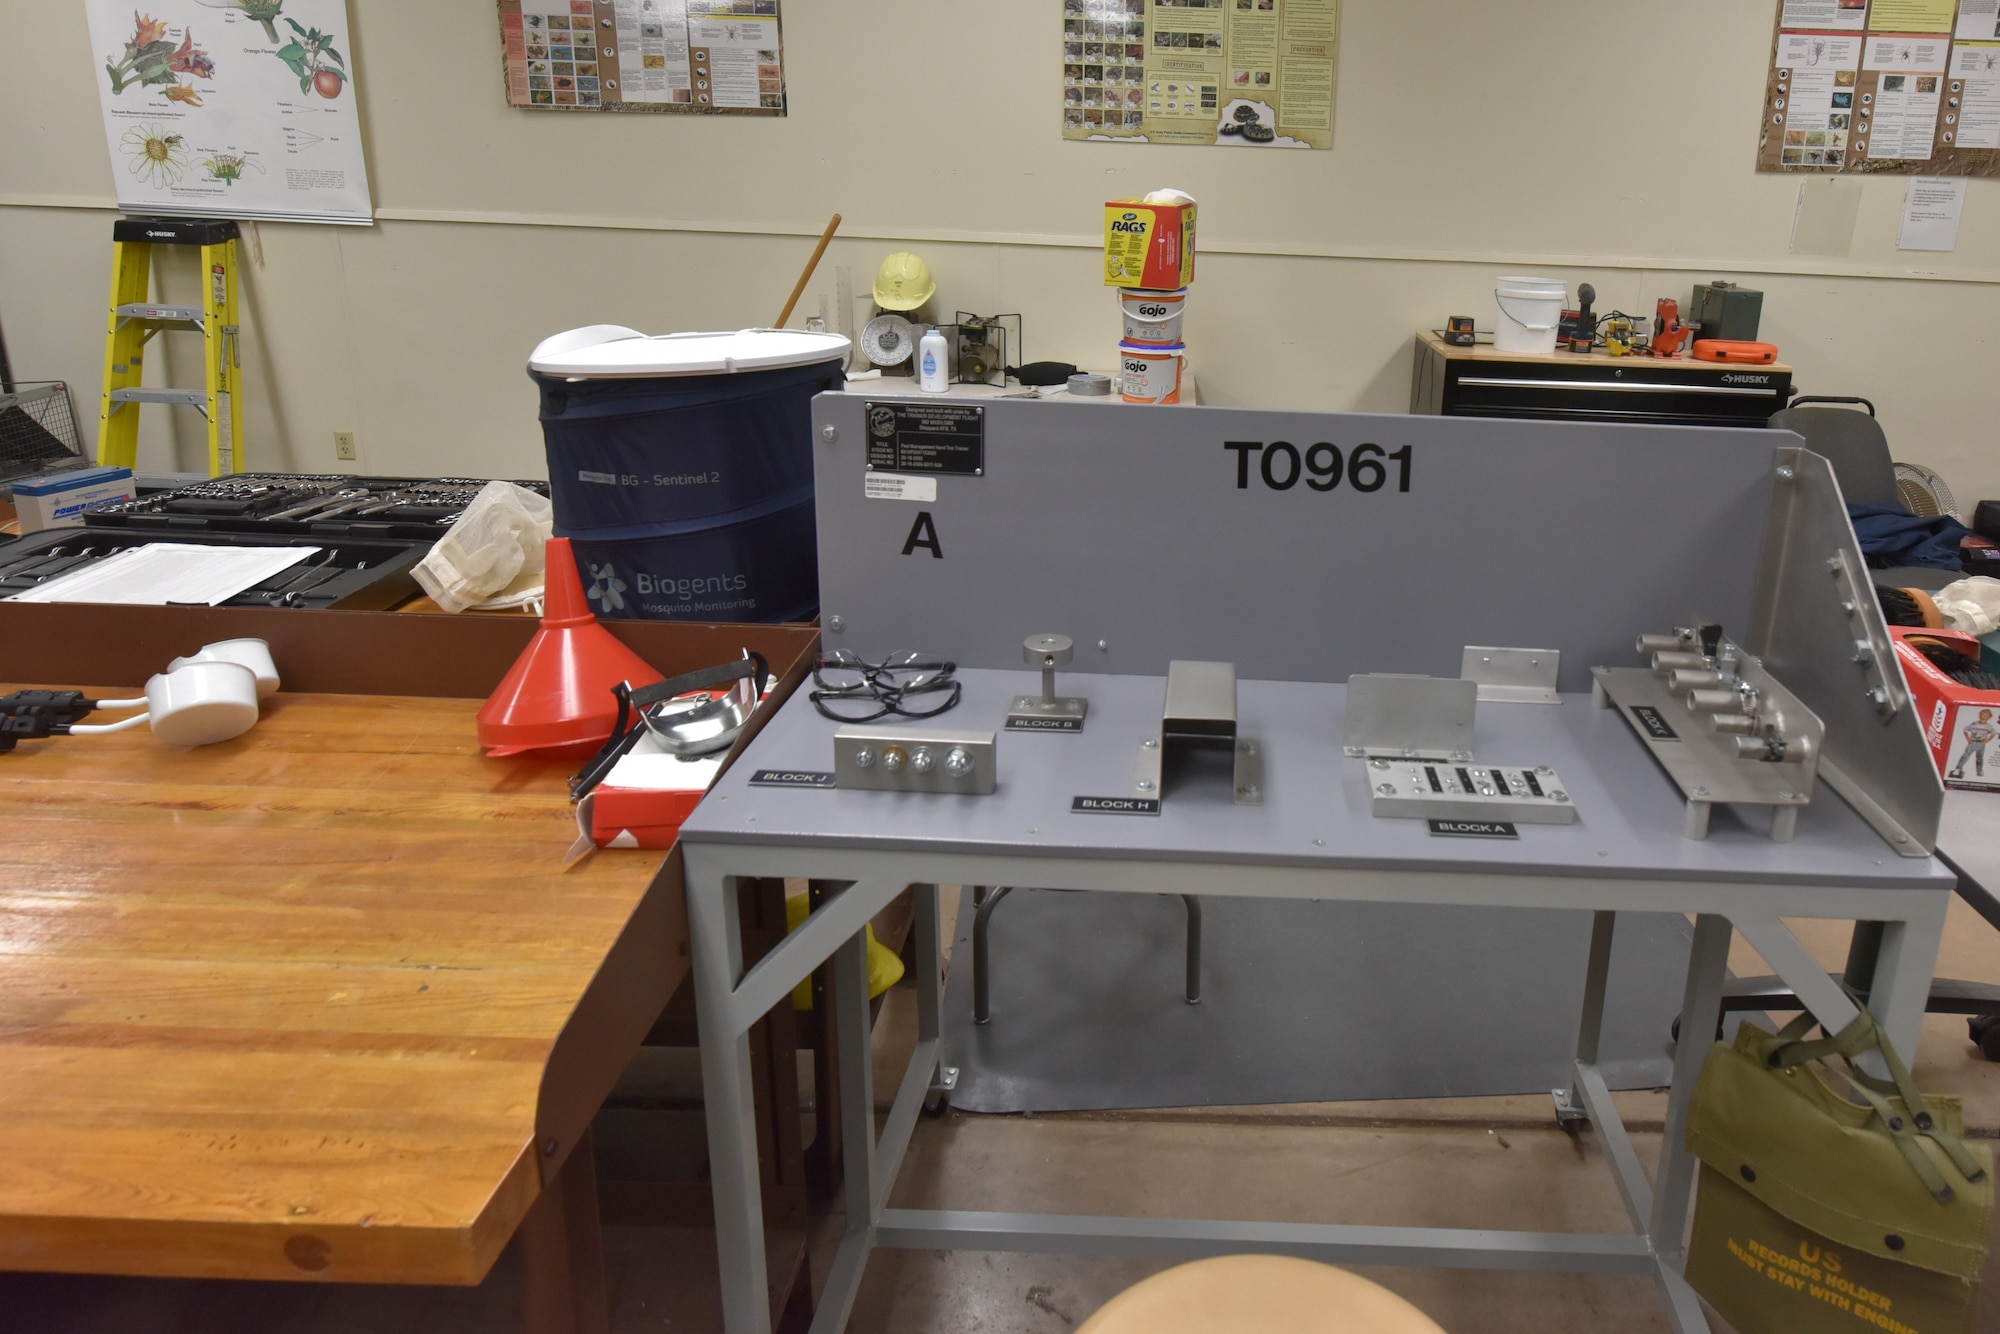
[790, 778]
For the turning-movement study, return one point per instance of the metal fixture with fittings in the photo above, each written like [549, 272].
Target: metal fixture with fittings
[1416, 734]
[1050, 712]
[1750, 741]
[896, 759]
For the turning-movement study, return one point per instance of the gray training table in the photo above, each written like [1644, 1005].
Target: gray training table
[1313, 838]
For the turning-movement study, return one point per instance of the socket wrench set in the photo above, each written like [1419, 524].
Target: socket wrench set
[348, 573]
[316, 504]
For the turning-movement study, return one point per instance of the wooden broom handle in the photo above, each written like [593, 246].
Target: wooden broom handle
[806, 276]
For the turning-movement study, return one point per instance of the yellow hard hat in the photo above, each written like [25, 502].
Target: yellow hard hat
[903, 282]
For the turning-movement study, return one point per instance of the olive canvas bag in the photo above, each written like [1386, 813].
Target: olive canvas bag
[1824, 1210]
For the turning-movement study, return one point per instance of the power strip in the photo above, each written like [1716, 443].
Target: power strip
[1442, 790]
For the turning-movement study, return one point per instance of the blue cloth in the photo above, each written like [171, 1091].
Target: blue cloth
[1891, 535]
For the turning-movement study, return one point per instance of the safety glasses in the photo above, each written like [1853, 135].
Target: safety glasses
[849, 689]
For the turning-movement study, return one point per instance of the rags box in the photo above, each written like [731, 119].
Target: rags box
[1149, 245]
[1961, 722]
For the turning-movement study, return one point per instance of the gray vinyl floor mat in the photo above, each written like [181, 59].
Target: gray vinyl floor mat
[1301, 1002]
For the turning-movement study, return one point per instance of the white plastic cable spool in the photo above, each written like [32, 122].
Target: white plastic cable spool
[621, 352]
[1530, 310]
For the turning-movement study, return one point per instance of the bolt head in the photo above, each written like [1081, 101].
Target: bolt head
[864, 758]
[1248, 790]
[1559, 796]
[1151, 743]
[922, 760]
[1319, 842]
[1700, 791]
[1386, 789]
[829, 433]
[958, 762]
[894, 758]
[835, 624]
[1103, 646]
[1785, 472]
[1145, 785]
[1378, 764]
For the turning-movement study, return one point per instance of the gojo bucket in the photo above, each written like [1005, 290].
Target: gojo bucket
[1530, 310]
[1152, 374]
[1153, 318]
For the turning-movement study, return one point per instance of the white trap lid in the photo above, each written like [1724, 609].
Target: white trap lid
[613, 350]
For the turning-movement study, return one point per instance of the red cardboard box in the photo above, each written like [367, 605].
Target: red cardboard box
[1148, 245]
[1961, 724]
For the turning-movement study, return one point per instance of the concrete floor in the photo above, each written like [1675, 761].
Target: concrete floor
[1483, 1161]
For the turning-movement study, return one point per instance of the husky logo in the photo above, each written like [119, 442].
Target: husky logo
[1935, 732]
[606, 589]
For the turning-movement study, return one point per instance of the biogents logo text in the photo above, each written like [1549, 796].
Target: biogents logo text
[653, 585]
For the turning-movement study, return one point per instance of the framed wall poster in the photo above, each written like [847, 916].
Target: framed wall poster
[231, 108]
[1234, 73]
[1905, 87]
[711, 57]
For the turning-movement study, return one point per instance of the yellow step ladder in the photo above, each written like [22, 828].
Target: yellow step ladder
[135, 320]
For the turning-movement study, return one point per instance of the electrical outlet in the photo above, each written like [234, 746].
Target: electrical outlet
[343, 446]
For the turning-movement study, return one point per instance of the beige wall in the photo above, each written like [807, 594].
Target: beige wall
[1608, 142]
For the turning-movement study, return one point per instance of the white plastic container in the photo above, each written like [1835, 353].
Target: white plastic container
[933, 363]
[1153, 318]
[1152, 374]
[1530, 310]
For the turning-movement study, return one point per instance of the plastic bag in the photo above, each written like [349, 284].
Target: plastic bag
[495, 555]
[1971, 605]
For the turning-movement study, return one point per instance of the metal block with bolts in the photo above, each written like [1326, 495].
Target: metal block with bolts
[901, 759]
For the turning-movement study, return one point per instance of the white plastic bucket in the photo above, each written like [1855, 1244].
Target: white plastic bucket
[1152, 374]
[1153, 318]
[1530, 310]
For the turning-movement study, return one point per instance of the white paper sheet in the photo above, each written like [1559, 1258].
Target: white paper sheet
[1976, 65]
[1931, 210]
[162, 572]
[1829, 15]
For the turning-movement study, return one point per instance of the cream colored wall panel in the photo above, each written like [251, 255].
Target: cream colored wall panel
[1571, 137]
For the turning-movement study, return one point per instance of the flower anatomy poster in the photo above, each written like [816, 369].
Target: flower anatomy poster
[231, 108]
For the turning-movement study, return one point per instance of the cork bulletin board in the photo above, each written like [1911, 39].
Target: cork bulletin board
[713, 57]
[1901, 87]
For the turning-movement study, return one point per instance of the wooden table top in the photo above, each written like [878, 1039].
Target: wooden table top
[300, 1005]
[1487, 352]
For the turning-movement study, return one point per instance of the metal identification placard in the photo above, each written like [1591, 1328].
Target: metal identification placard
[790, 778]
[1114, 806]
[1474, 829]
[927, 438]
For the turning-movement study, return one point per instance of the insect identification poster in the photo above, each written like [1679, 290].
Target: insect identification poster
[688, 56]
[231, 108]
[1235, 73]
[1910, 87]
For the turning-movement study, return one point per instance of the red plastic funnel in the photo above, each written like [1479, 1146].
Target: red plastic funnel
[557, 696]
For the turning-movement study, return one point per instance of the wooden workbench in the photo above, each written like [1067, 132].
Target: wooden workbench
[318, 1003]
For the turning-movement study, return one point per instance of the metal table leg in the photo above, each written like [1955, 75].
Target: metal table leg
[729, 1104]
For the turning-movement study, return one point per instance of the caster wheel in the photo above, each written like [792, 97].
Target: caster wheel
[1984, 1030]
